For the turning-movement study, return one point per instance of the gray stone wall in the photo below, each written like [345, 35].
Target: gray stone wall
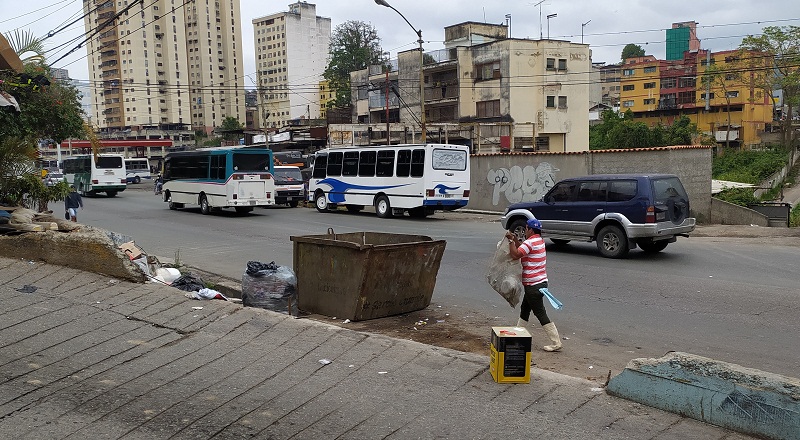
[504, 178]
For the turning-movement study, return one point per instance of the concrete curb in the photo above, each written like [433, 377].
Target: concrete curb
[723, 394]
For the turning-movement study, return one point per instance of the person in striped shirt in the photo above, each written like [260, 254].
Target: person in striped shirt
[533, 256]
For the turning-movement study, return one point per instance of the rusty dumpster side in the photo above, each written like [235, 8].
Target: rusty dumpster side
[365, 275]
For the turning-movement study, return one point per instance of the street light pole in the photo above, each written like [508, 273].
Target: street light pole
[583, 25]
[421, 72]
[540, 17]
[548, 23]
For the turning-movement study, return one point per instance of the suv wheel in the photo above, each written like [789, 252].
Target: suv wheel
[612, 242]
[518, 229]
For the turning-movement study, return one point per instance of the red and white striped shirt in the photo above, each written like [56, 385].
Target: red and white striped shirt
[534, 260]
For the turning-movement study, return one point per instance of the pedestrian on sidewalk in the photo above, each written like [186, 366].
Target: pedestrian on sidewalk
[72, 202]
[533, 257]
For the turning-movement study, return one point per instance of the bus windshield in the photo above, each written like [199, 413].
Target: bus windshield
[243, 162]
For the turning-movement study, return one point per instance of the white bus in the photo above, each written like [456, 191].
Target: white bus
[91, 174]
[419, 179]
[215, 178]
[136, 170]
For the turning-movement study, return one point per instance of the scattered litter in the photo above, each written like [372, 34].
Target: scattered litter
[440, 320]
[346, 321]
[598, 390]
[27, 289]
[197, 308]
[206, 293]
[446, 314]
[270, 286]
[113, 282]
[189, 283]
[350, 366]
[438, 307]
[414, 328]
[566, 338]
[167, 275]
[420, 323]
[325, 361]
[711, 276]
[382, 372]
[591, 367]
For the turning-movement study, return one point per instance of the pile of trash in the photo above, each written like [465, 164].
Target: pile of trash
[194, 287]
[17, 219]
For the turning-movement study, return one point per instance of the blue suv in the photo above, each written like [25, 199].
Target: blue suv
[618, 211]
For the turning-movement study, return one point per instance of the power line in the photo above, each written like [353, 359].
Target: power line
[35, 11]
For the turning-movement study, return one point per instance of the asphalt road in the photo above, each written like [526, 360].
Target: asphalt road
[726, 298]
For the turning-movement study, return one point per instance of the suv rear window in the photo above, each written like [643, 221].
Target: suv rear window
[668, 187]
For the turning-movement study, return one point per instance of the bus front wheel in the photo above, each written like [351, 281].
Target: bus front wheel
[321, 202]
[137, 179]
[204, 208]
[382, 207]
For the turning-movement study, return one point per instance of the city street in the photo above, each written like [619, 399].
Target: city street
[730, 299]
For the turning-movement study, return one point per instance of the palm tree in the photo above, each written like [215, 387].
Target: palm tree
[29, 48]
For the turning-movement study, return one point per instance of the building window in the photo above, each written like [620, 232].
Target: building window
[627, 87]
[542, 143]
[650, 69]
[687, 97]
[551, 102]
[650, 85]
[562, 102]
[668, 83]
[650, 101]
[628, 72]
[704, 62]
[710, 95]
[562, 64]
[627, 103]
[551, 64]
[733, 94]
[687, 82]
[488, 71]
[487, 109]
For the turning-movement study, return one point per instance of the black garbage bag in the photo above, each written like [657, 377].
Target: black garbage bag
[189, 283]
[254, 267]
[273, 287]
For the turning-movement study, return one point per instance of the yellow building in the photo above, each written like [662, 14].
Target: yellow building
[326, 95]
[660, 91]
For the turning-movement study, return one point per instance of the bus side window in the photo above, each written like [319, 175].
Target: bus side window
[320, 166]
[366, 164]
[335, 164]
[385, 165]
[403, 163]
[350, 165]
[417, 163]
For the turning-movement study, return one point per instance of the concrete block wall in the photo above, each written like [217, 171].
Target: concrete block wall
[725, 213]
[501, 179]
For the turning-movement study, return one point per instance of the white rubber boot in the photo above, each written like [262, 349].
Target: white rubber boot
[552, 333]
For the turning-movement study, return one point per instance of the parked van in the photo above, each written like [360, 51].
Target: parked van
[289, 186]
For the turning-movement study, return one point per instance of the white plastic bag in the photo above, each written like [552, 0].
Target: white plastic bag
[505, 274]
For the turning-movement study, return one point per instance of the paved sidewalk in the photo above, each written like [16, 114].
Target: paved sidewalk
[84, 356]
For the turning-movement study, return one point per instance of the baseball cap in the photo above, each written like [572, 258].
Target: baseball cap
[534, 224]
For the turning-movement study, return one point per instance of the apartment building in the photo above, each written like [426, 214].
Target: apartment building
[291, 55]
[660, 91]
[487, 89]
[164, 64]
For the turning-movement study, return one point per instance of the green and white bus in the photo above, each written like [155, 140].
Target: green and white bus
[216, 178]
[106, 174]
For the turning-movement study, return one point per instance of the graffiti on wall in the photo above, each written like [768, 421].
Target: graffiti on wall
[521, 184]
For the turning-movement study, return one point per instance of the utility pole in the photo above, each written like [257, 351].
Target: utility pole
[583, 25]
[540, 17]
[388, 136]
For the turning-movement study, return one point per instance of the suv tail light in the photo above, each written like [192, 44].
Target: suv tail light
[650, 217]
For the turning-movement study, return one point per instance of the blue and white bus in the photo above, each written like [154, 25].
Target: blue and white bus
[216, 178]
[91, 174]
[137, 169]
[420, 179]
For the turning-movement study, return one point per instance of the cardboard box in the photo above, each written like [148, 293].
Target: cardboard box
[510, 358]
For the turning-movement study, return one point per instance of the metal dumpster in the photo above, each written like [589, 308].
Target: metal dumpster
[365, 275]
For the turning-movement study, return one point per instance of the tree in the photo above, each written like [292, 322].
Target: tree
[631, 51]
[622, 130]
[777, 68]
[355, 45]
[231, 128]
[28, 48]
[51, 111]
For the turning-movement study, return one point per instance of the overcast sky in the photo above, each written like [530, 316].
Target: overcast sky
[611, 24]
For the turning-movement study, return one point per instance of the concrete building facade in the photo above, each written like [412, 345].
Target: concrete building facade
[483, 89]
[164, 65]
[291, 56]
